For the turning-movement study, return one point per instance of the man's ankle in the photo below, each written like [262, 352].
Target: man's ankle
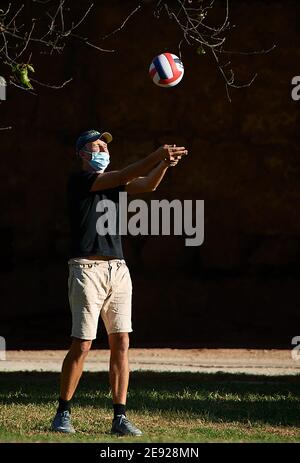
[64, 405]
[119, 409]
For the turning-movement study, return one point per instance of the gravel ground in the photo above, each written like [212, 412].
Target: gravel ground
[258, 362]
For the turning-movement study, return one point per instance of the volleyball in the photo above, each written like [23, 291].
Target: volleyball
[166, 70]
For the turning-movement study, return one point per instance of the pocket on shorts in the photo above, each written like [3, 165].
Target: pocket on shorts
[83, 288]
[124, 279]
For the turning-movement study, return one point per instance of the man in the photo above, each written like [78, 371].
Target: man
[99, 281]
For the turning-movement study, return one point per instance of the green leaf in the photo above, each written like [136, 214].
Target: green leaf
[200, 50]
[21, 73]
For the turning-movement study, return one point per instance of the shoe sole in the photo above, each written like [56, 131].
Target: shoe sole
[115, 433]
[64, 431]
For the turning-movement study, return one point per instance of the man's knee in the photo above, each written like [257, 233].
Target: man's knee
[119, 343]
[80, 347]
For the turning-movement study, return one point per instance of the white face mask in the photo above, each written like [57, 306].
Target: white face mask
[100, 159]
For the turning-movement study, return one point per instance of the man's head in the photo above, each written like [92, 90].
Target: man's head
[91, 147]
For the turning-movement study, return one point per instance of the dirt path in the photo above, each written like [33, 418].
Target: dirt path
[266, 362]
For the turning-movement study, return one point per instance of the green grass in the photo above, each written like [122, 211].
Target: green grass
[168, 407]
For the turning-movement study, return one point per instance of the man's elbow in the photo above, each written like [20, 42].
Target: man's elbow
[150, 188]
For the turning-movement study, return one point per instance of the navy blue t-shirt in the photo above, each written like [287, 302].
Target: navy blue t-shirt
[85, 239]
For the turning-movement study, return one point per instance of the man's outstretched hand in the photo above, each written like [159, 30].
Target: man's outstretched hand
[171, 154]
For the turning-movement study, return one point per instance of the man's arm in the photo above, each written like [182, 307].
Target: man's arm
[122, 177]
[149, 183]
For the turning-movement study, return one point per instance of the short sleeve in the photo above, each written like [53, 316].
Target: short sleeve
[81, 184]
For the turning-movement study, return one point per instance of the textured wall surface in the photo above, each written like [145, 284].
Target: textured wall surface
[240, 288]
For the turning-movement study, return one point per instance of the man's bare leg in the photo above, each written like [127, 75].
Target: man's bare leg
[72, 367]
[119, 366]
[119, 379]
[70, 376]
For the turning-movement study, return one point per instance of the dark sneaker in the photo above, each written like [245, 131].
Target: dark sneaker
[123, 427]
[62, 422]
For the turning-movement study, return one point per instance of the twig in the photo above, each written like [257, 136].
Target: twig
[230, 80]
[7, 11]
[61, 3]
[43, 2]
[123, 24]
[98, 48]
[17, 13]
[83, 18]
[28, 90]
[85, 40]
[27, 40]
[55, 87]
[5, 46]
[255, 52]
[62, 18]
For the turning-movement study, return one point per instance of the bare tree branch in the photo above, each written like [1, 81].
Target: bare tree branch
[55, 87]
[230, 80]
[48, 33]
[191, 18]
[52, 36]
[21, 87]
[5, 13]
[82, 19]
[16, 38]
[14, 17]
[43, 2]
[248, 53]
[27, 40]
[85, 40]
[52, 25]
[98, 48]
[123, 24]
[5, 45]
[62, 18]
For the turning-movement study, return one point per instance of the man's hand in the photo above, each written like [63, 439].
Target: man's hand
[171, 152]
[149, 183]
[175, 154]
[172, 162]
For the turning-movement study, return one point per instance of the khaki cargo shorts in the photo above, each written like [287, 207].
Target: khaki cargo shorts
[99, 287]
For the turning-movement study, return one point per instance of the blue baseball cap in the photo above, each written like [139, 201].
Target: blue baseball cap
[91, 135]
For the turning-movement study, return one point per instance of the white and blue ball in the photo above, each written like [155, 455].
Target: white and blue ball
[166, 70]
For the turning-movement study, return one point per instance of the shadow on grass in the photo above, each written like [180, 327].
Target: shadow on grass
[213, 397]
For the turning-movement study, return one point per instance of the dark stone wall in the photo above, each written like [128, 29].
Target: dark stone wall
[240, 288]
